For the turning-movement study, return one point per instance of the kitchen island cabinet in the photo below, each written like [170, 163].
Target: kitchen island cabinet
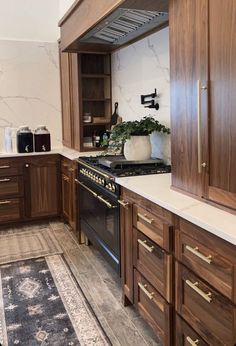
[183, 277]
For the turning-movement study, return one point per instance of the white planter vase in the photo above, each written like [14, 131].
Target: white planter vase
[138, 148]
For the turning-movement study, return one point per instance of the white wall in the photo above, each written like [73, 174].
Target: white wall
[64, 5]
[139, 69]
[30, 87]
[29, 20]
[29, 71]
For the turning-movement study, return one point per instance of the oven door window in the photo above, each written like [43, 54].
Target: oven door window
[103, 220]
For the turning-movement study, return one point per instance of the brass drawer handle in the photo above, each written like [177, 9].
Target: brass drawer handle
[123, 203]
[144, 289]
[194, 286]
[143, 243]
[195, 251]
[5, 202]
[145, 218]
[4, 180]
[191, 342]
[4, 167]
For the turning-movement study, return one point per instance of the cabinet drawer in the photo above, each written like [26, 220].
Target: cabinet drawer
[11, 209]
[186, 336]
[208, 257]
[207, 311]
[153, 262]
[9, 168]
[153, 308]
[154, 227]
[11, 186]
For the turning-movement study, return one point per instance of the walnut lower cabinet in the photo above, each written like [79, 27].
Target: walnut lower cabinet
[29, 188]
[181, 278]
[68, 175]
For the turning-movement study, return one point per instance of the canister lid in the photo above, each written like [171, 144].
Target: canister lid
[41, 129]
[24, 129]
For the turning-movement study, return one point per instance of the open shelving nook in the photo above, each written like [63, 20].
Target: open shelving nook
[95, 95]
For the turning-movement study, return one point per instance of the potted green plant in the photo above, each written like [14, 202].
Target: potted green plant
[134, 137]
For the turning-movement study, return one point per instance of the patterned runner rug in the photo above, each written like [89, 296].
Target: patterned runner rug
[28, 244]
[41, 304]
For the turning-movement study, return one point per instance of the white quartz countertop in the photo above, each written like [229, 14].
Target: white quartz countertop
[66, 152]
[156, 188]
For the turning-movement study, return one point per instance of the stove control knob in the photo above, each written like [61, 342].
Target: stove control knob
[96, 179]
[103, 182]
[109, 186]
[100, 181]
[113, 188]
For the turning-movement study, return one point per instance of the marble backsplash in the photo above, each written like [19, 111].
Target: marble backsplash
[139, 69]
[30, 87]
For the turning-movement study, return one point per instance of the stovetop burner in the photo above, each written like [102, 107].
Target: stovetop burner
[117, 166]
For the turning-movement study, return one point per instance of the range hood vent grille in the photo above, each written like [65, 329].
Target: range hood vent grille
[123, 25]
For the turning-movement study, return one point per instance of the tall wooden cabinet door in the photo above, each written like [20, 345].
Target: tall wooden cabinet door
[188, 73]
[65, 66]
[42, 187]
[126, 225]
[222, 70]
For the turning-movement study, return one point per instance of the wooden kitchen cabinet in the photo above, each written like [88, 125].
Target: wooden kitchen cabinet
[42, 186]
[69, 203]
[85, 89]
[203, 102]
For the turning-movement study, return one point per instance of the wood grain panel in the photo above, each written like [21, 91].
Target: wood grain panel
[155, 265]
[67, 124]
[188, 63]
[10, 167]
[126, 227]
[185, 334]
[11, 209]
[154, 309]
[11, 186]
[221, 271]
[213, 320]
[222, 56]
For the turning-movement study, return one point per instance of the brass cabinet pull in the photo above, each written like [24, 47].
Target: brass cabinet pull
[71, 169]
[195, 251]
[4, 167]
[144, 289]
[199, 126]
[143, 243]
[145, 218]
[5, 202]
[191, 342]
[194, 286]
[4, 180]
[123, 203]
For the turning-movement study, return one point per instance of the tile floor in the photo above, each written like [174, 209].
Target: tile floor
[102, 288]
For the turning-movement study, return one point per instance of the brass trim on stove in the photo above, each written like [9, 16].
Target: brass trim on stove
[96, 170]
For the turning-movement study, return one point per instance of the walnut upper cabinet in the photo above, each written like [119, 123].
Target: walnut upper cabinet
[203, 98]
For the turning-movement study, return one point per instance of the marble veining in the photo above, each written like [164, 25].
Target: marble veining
[30, 87]
[139, 69]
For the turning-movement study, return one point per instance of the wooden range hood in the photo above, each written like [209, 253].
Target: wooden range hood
[106, 25]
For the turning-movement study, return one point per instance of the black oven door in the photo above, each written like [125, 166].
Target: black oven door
[99, 220]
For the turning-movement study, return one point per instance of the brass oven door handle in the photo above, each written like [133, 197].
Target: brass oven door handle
[194, 286]
[4, 180]
[86, 188]
[108, 204]
[145, 218]
[195, 251]
[5, 202]
[191, 342]
[143, 243]
[144, 289]
[123, 203]
[4, 167]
